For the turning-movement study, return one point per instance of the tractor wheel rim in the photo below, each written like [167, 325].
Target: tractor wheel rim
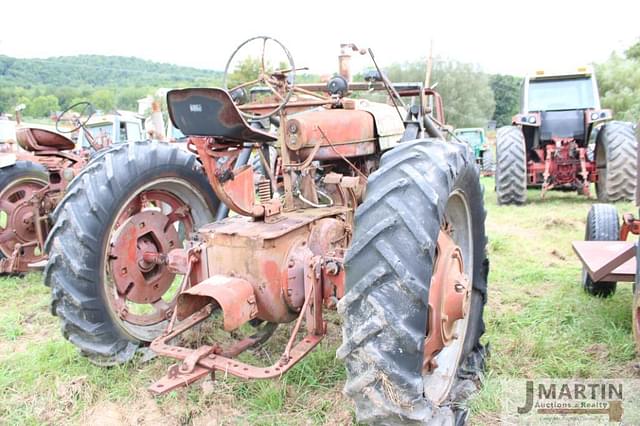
[17, 219]
[438, 382]
[158, 218]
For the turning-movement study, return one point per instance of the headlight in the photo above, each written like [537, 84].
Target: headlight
[532, 119]
[594, 116]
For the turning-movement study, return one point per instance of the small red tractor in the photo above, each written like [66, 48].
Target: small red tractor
[367, 208]
[563, 140]
[33, 179]
[608, 257]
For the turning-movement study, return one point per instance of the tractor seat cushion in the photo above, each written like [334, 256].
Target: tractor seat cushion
[211, 112]
[35, 139]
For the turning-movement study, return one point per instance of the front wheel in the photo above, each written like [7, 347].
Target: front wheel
[421, 225]
[136, 198]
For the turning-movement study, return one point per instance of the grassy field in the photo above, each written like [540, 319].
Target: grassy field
[539, 324]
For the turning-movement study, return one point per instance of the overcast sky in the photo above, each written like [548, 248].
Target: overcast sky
[501, 36]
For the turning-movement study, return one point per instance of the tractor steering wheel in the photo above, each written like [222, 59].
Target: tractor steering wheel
[280, 82]
[75, 112]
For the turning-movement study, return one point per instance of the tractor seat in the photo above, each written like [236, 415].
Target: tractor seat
[211, 112]
[35, 139]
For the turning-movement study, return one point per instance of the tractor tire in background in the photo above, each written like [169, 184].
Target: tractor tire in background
[126, 187]
[616, 161]
[602, 225]
[511, 166]
[388, 273]
[488, 162]
[11, 178]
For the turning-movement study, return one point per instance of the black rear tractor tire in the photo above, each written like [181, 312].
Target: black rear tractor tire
[511, 166]
[388, 274]
[602, 225]
[78, 271]
[20, 171]
[616, 161]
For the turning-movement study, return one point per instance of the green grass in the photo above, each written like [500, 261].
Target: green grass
[539, 324]
[539, 321]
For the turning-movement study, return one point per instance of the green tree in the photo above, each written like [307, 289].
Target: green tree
[103, 100]
[619, 84]
[42, 106]
[468, 99]
[506, 91]
[633, 52]
[244, 72]
[128, 97]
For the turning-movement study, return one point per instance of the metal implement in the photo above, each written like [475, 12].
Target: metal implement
[608, 260]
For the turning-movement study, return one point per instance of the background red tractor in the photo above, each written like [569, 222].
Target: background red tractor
[32, 182]
[365, 204]
[563, 140]
[33, 178]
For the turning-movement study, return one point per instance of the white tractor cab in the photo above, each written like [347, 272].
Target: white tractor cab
[548, 91]
[107, 129]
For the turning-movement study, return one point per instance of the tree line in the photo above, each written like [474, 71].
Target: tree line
[48, 85]
[472, 98]
[619, 83]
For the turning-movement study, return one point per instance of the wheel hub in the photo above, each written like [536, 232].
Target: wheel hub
[449, 296]
[17, 220]
[136, 279]
[21, 221]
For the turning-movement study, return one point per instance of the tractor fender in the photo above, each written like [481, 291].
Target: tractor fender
[234, 296]
[7, 160]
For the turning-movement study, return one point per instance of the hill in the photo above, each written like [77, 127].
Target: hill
[52, 84]
[96, 71]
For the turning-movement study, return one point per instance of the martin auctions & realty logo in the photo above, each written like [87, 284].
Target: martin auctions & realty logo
[571, 401]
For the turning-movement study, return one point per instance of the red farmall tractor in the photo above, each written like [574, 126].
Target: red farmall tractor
[32, 183]
[563, 140]
[365, 207]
